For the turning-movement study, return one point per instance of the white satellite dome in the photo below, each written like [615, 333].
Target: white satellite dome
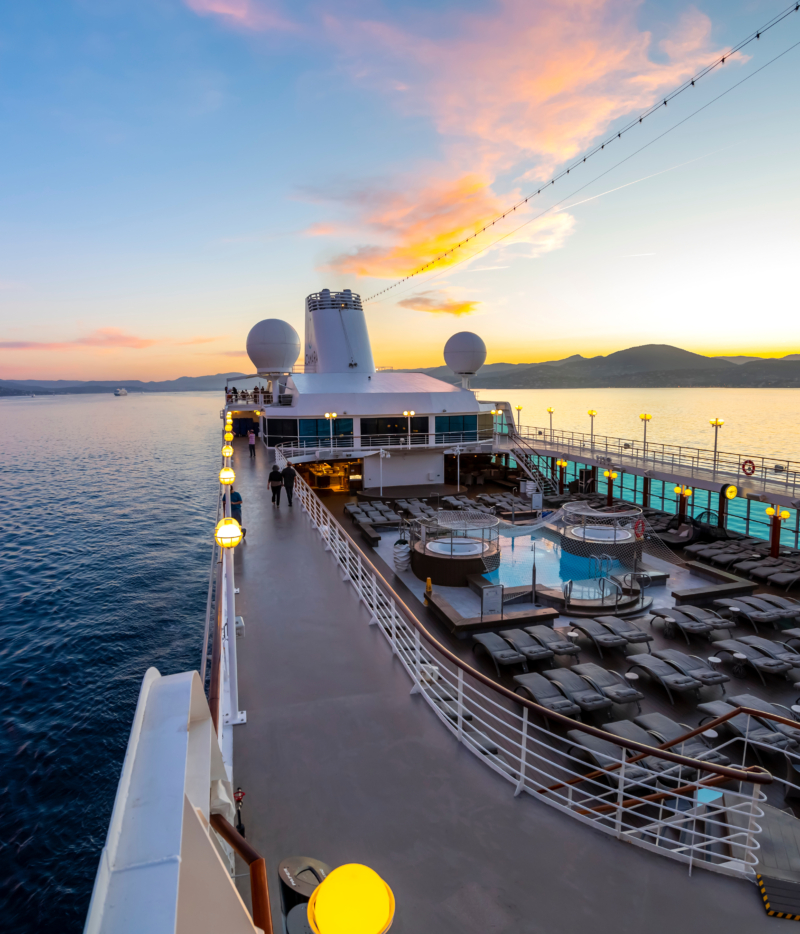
[273, 346]
[465, 353]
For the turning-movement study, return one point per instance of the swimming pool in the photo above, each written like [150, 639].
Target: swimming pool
[553, 565]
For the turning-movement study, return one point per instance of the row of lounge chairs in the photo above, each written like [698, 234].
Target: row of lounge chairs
[374, 512]
[750, 556]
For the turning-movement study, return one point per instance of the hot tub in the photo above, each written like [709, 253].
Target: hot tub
[458, 548]
[601, 533]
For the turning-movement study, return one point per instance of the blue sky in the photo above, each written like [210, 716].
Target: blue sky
[175, 170]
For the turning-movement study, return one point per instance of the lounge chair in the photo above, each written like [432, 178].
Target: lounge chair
[625, 628]
[765, 573]
[671, 680]
[601, 636]
[546, 694]
[526, 645]
[550, 639]
[577, 690]
[499, 650]
[693, 667]
[703, 615]
[778, 710]
[785, 576]
[789, 607]
[609, 683]
[754, 658]
[673, 617]
[778, 650]
[746, 611]
[745, 727]
[750, 564]
[604, 754]
[664, 729]
[671, 771]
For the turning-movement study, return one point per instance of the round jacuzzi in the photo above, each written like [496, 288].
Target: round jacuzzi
[601, 533]
[457, 548]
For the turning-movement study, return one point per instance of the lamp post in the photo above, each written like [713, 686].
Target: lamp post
[776, 516]
[716, 424]
[562, 471]
[592, 413]
[611, 476]
[382, 455]
[683, 493]
[519, 409]
[228, 533]
[457, 452]
[550, 413]
[645, 417]
[330, 416]
[409, 415]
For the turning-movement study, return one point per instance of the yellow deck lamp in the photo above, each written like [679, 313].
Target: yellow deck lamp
[731, 492]
[227, 476]
[409, 414]
[776, 516]
[611, 476]
[562, 471]
[228, 436]
[353, 899]
[228, 533]
[227, 450]
[591, 413]
[550, 411]
[683, 493]
[518, 410]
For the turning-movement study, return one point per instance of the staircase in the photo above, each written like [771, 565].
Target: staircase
[524, 454]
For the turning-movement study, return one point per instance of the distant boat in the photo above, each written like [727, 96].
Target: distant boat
[120, 392]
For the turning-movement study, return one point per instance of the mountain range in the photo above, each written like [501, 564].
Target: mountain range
[651, 365]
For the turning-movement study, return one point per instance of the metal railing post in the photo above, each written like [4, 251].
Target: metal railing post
[620, 797]
[523, 753]
[236, 715]
[460, 702]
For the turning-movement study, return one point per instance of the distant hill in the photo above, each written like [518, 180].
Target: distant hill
[43, 387]
[651, 365]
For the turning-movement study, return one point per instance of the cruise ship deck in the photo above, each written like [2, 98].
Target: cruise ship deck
[340, 763]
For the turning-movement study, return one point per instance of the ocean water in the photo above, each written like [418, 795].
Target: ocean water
[108, 516]
[757, 421]
[104, 558]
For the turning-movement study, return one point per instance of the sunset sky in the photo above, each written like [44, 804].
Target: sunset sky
[175, 170]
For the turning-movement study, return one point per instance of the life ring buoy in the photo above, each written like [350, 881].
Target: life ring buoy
[748, 468]
[638, 528]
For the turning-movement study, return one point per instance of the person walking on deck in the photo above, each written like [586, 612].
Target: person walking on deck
[251, 440]
[275, 484]
[288, 473]
[236, 509]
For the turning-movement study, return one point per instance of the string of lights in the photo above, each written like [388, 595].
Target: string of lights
[662, 102]
[576, 191]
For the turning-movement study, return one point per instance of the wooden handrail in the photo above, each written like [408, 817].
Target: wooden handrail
[259, 888]
[751, 774]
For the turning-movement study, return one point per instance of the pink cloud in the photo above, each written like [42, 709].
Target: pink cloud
[103, 338]
[522, 88]
[254, 15]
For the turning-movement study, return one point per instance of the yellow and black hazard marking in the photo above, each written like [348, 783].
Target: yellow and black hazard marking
[781, 899]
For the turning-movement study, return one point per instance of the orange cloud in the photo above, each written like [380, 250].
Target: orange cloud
[525, 87]
[437, 303]
[246, 14]
[103, 338]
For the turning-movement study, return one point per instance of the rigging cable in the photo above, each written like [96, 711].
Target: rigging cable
[663, 101]
[510, 233]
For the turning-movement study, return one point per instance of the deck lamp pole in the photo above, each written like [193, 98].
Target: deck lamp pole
[562, 471]
[550, 413]
[409, 415]
[330, 416]
[683, 493]
[611, 476]
[519, 409]
[382, 455]
[716, 424]
[776, 516]
[592, 413]
[645, 417]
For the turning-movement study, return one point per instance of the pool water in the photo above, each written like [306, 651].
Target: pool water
[553, 566]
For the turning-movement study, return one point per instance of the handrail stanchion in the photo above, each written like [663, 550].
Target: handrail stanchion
[620, 798]
[460, 702]
[523, 752]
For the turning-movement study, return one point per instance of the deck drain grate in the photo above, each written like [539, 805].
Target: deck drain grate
[781, 899]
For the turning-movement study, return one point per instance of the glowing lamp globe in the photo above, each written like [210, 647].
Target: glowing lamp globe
[770, 511]
[227, 450]
[273, 346]
[592, 413]
[465, 353]
[228, 436]
[228, 533]
[785, 514]
[731, 492]
[227, 476]
[352, 899]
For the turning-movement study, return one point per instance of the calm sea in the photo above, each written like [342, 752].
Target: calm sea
[109, 507]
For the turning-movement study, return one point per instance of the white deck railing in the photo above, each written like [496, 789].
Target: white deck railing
[680, 814]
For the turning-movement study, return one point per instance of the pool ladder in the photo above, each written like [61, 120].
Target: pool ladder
[600, 566]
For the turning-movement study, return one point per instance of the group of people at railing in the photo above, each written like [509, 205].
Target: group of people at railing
[256, 396]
